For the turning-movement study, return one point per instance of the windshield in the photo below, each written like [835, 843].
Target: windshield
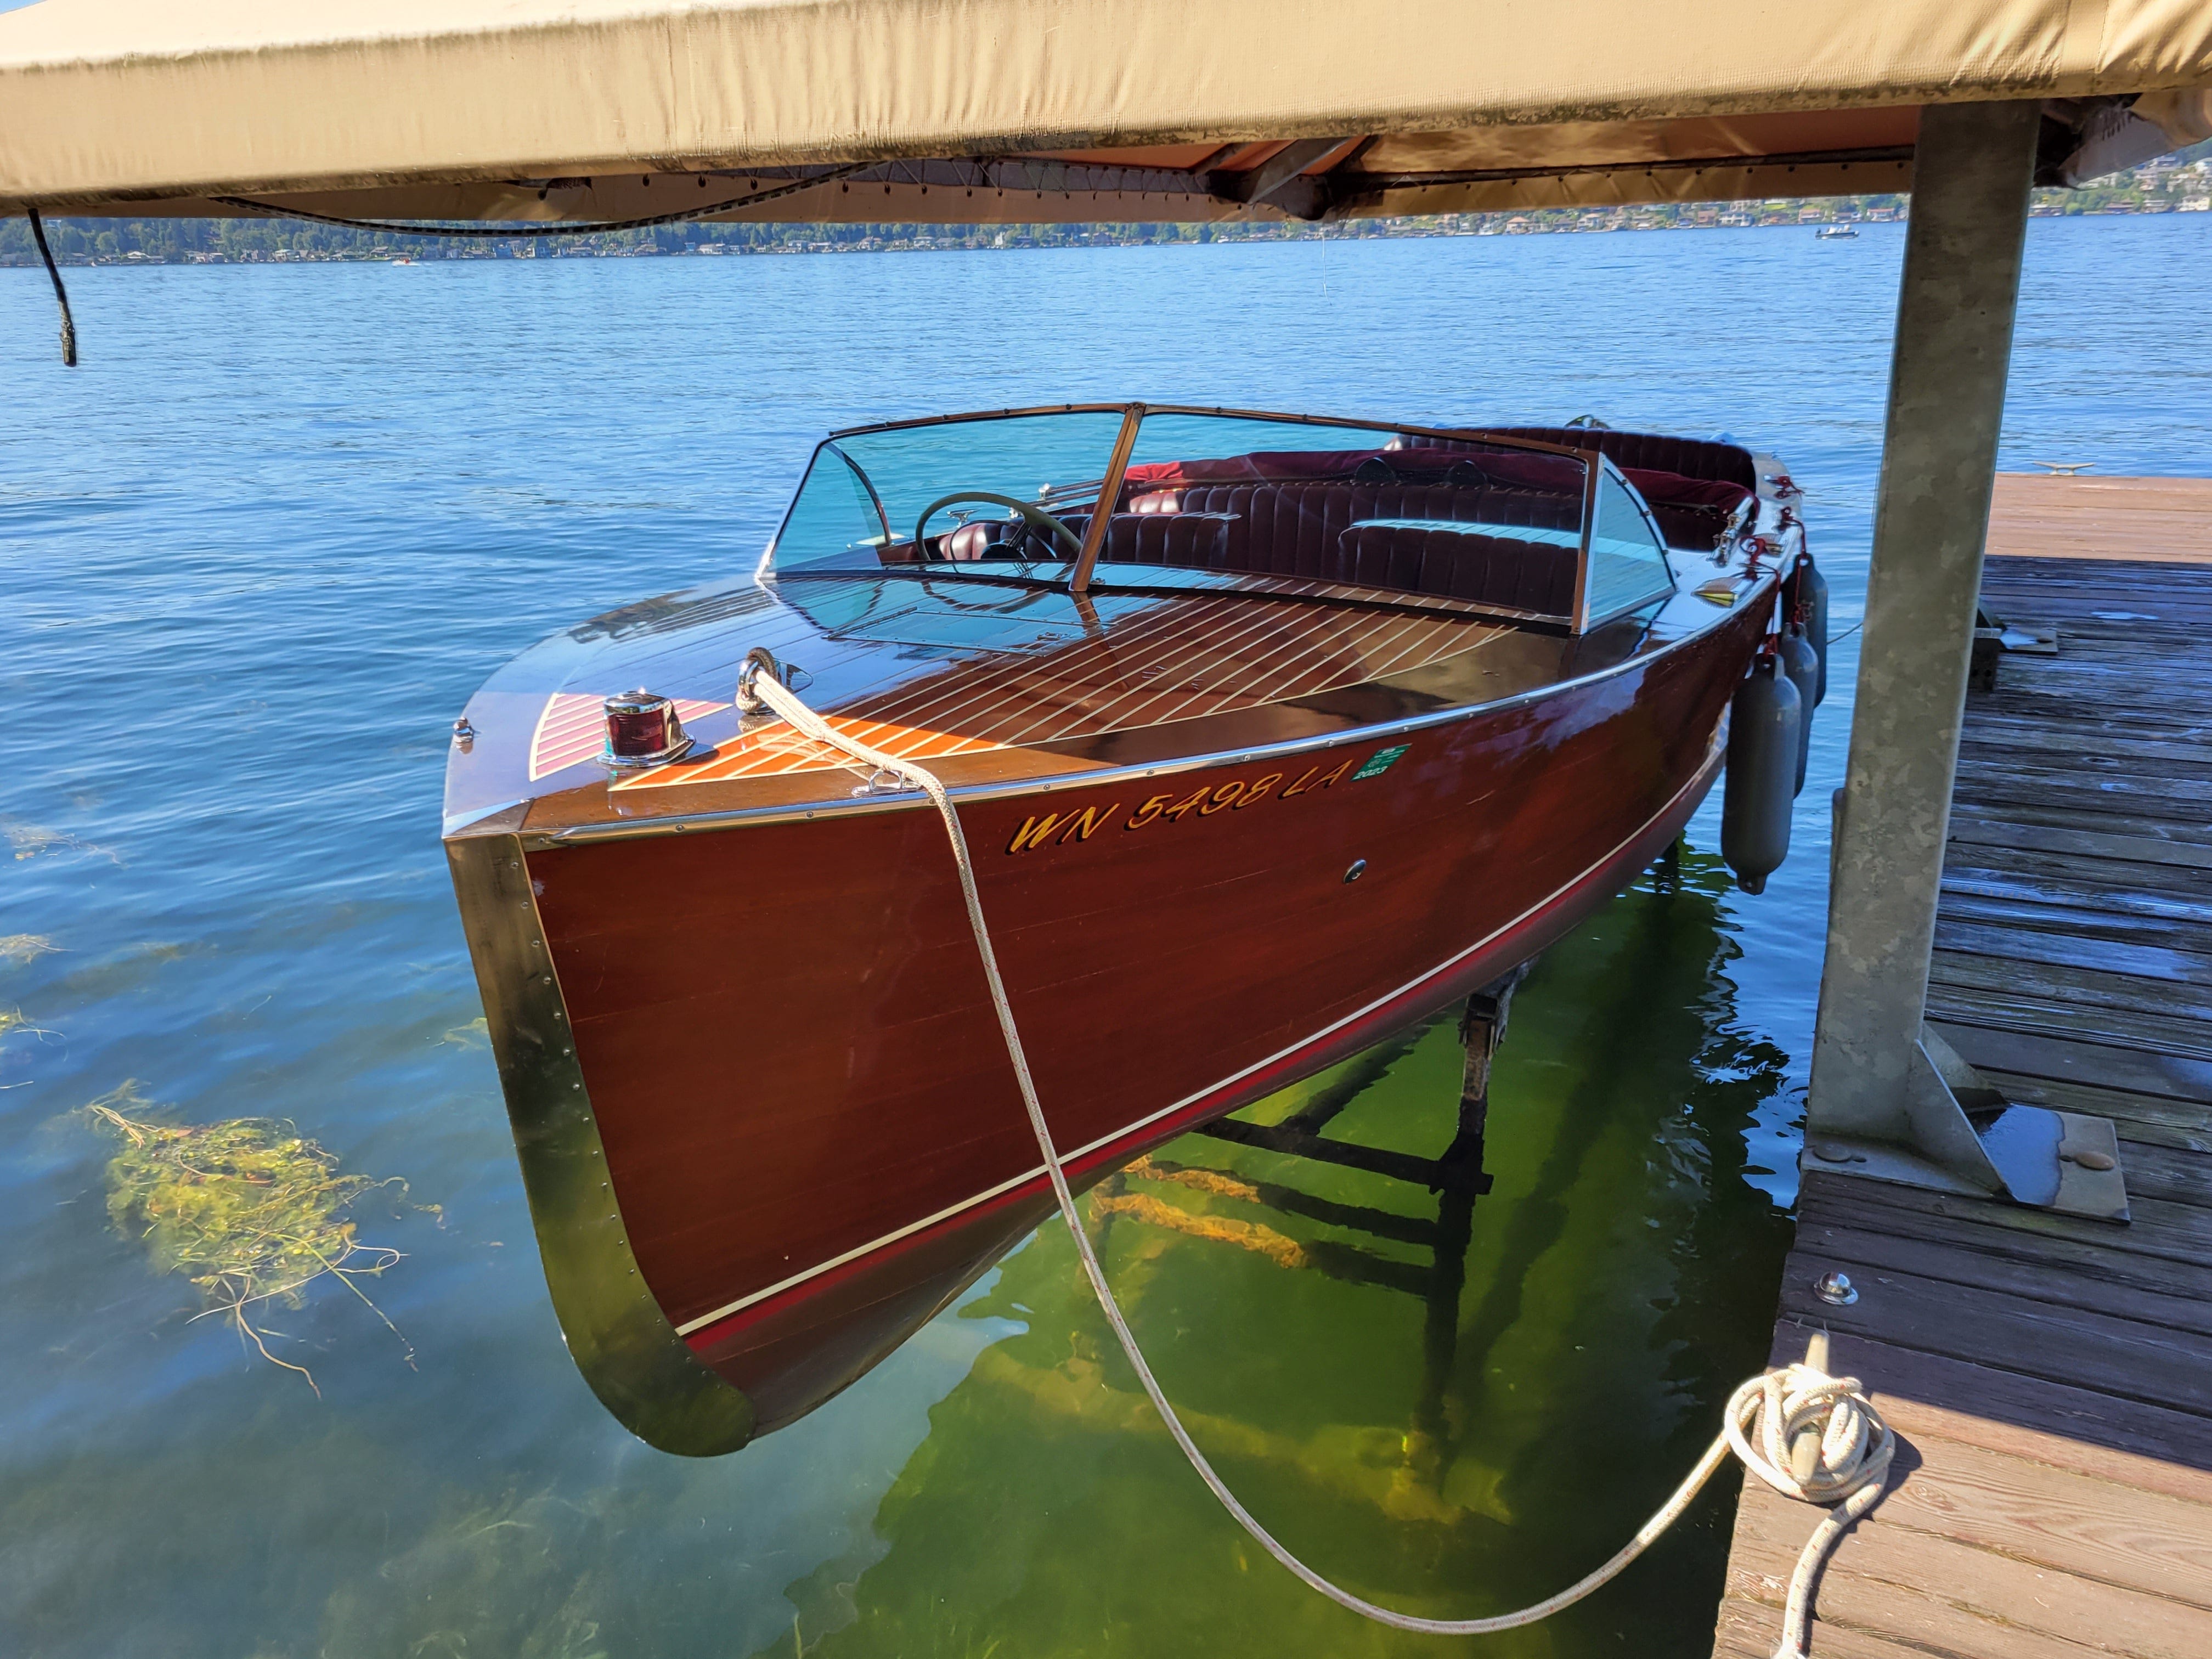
[866, 491]
[1628, 563]
[1509, 526]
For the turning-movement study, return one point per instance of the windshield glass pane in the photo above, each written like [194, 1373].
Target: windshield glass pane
[864, 492]
[1628, 557]
[1368, 506]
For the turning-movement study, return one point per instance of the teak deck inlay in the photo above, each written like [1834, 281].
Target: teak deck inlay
[1140, 661]
[2052, 1377]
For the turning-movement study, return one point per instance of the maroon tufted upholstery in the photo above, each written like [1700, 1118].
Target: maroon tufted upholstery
[1692, 485]
[1460, 564]
[1651, 452]
[1294, 529]
[1210, 541]
[1319, 530]
[1322, 530]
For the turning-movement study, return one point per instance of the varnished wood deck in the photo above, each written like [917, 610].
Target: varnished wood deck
[2053, 1377]
[2161, 520]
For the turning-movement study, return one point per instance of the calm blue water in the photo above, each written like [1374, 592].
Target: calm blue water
[259, 549]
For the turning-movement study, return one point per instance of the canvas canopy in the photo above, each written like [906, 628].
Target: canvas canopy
[601, 111]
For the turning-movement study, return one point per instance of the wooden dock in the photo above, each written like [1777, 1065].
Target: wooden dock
[2052, 1377]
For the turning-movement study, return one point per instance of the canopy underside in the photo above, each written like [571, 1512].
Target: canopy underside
[996, 111]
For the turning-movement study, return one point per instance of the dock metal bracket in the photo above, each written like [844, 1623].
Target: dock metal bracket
[1965, 1137]
[1995, 637]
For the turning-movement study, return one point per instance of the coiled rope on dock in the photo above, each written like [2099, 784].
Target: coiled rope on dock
[1807, 1434]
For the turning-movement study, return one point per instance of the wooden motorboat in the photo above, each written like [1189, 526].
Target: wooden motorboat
[1316, 727]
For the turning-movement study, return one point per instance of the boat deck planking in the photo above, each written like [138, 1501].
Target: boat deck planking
[2052, 1377]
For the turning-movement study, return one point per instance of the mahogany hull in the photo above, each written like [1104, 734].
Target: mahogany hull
[785, 1065]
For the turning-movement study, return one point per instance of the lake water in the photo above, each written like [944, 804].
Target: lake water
[260, 548]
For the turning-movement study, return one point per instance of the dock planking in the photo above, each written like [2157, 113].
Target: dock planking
[2052, 1377]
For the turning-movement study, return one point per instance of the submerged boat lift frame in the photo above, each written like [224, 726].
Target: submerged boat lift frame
[1889, 1099]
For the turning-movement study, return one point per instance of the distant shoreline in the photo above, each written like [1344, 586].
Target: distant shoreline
[2153, 190]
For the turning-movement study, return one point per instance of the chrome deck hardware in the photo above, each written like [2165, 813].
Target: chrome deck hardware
[642, 730]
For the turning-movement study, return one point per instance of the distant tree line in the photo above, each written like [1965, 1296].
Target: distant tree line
[181, 241]
[2176, 182]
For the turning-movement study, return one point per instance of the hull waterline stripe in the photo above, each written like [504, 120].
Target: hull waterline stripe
[1703, 775]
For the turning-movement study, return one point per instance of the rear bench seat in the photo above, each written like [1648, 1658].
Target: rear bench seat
[1296, 529]
[1275, 537]
[1460, 564]
[1645, 452]
[1340, 531]
[1691, 485]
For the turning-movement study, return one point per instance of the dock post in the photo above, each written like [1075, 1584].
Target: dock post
[1885, 1095]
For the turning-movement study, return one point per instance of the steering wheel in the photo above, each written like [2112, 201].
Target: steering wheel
[1069, 543]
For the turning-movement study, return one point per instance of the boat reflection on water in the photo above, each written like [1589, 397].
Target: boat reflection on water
[1453, 1348]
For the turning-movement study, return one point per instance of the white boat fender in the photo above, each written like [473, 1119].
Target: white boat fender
[1762, 773]
[1807, 1434]
[1803, 665]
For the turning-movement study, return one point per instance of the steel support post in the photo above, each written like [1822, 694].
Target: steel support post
[1887, 1098]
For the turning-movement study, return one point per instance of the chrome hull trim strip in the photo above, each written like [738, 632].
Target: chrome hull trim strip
[1701, 778]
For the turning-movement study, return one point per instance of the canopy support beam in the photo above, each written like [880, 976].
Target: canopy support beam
[1279, 180]
[1888, 1098]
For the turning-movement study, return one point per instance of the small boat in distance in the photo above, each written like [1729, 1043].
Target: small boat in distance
[1272, 735]
[1836, 233]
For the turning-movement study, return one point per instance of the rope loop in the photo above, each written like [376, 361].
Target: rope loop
[1768, 1414]
[1855, 1445]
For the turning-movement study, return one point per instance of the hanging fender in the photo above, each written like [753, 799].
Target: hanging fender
[1805, 601]
[1801, 664]
[1763, 722]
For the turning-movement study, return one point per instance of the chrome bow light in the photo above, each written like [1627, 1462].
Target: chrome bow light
[642, 730]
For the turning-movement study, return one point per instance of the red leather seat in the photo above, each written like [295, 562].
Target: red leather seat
[1651, 452]
[1207, 541]
[1293, 529]
[1322, 530]
[1692, 485]
[1460, 564]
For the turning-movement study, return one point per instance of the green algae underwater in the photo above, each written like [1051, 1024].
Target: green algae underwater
[248, 1210]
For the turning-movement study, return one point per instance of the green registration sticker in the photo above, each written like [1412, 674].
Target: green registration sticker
[1379, 763]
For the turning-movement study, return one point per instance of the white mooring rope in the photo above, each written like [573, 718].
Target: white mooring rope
[1770, 1422]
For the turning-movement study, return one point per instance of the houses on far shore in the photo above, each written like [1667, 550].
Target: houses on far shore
[2172, 183]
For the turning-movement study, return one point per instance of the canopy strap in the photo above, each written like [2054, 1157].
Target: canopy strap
[401, 227]
[61, 294]
[1807, 1434]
